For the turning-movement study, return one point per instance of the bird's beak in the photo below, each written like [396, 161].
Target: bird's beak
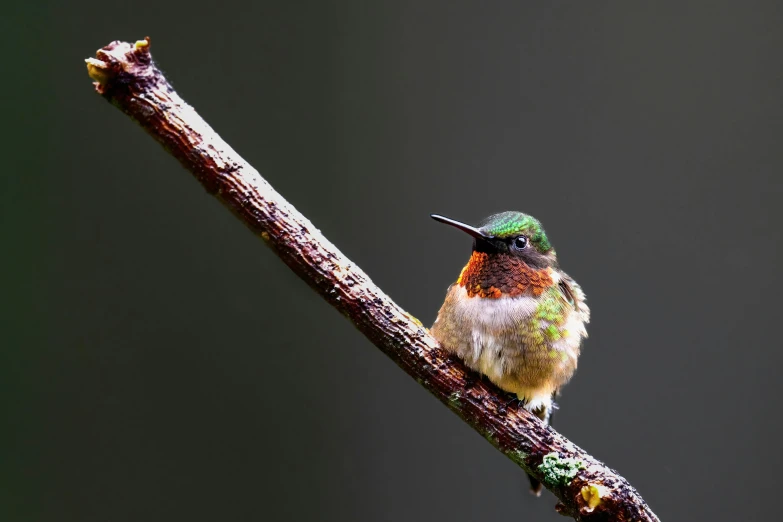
[462, 226]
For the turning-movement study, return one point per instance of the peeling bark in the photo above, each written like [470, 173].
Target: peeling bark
[126, 75]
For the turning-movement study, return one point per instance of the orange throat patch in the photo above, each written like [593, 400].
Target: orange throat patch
[496, 275]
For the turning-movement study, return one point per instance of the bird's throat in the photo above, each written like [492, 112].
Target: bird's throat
[498, 274]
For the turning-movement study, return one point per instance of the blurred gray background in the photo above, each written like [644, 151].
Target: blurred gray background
[159, 363]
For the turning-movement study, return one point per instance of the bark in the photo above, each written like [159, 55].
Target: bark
[126, 75]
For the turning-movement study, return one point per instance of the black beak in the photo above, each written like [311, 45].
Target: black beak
[462, 226]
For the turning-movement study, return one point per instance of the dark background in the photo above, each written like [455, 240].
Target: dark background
[160, 363]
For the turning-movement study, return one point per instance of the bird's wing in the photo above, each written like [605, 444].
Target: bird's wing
[571, 291]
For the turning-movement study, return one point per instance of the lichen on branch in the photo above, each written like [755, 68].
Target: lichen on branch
[126, 76]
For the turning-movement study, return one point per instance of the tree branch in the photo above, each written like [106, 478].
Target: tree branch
[125, 75]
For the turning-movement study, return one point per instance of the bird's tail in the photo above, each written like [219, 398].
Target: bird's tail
[545, 413]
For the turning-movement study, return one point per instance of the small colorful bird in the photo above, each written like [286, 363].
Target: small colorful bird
[513, 315]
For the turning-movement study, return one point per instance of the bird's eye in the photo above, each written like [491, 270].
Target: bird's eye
[520, 243]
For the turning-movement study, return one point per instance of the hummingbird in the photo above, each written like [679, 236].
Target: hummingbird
[513, 315]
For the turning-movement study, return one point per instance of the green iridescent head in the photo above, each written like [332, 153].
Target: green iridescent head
[513, 224]
[512, 233]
